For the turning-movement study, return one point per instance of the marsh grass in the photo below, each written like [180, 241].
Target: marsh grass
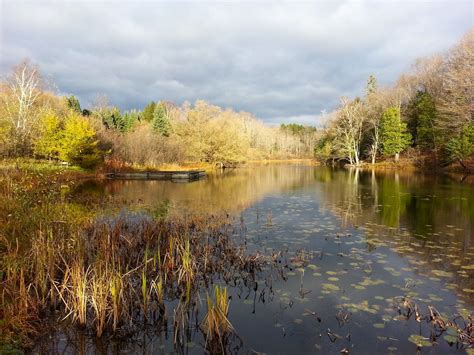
[112, 273]
[99, 298]
[19, 311]
[116, 295]
[216, 324]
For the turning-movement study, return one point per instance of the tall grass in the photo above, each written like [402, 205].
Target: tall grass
[99, 300]
[95, 278]
[116, 295]
[216, 324]
[107, 273]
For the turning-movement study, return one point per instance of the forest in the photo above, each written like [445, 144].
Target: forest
[427, 115]
[37, 123]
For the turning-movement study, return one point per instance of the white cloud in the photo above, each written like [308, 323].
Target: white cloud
[280, 61]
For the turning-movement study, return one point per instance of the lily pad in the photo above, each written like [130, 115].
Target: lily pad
[441, 273]
[451, 338]
[330, 287]
[419, 340]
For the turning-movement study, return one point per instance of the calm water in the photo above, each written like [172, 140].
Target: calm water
[369, 239]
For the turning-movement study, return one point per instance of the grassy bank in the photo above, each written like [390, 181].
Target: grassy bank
[44, 168]
[117, 166]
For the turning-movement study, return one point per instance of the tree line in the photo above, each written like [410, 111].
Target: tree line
[35, 122]
[427, 114]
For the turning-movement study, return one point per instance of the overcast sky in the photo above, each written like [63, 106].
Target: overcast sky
[280, 61]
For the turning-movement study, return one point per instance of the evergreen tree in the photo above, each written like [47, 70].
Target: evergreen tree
[148, 111]
[161, 123]
[393, 133]
[461, 147]
[424, 116]
[325, 148]
[73, 103]
[129, 119]
[112, 118]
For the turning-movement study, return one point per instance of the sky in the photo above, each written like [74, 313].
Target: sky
[281, 61]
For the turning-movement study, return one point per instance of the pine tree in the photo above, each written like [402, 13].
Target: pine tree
[161, 123]
[424, 119]
[129, 119]
[461, 147]
[148, 111]
[73, 103]
[393, 132]
[112, 118]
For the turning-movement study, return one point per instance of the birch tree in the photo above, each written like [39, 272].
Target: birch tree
[21, 92]
[373, 115]
[349, 129]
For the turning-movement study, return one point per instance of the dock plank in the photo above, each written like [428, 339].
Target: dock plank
[158, 175]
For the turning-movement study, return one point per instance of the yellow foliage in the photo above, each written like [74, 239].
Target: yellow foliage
[48, 142]
[71, 139]
[78, 142]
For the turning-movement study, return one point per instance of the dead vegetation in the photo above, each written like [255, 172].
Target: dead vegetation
[121, 273]
[457, 331]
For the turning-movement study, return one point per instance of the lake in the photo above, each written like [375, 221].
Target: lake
[368, 253]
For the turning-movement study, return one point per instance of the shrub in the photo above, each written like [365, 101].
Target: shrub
[78, 143]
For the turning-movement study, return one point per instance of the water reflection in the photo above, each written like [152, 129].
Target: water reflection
[425, 205]
[230, 190]
[368, 238]
[432, 216]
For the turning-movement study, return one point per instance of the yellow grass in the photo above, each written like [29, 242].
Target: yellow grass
[216, 323]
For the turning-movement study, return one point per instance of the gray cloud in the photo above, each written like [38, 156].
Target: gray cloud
[280, 61]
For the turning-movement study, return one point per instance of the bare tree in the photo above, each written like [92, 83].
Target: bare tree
[22, 90]
[349, 128]
[428, 75]
[372, 114]
[373, 120]
[401, 92]
[456, 105]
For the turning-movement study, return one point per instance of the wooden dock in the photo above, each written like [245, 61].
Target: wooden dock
[189, 175]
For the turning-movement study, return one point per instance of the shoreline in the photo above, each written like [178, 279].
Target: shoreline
[63, 172]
